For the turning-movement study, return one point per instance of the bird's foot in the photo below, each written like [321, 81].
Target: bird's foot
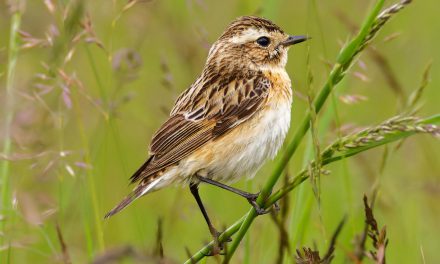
[252, 199]
[218, 248]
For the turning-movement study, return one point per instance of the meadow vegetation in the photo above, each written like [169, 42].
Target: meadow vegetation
[85, 84]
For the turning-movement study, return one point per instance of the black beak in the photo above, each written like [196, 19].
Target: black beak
[292, 40]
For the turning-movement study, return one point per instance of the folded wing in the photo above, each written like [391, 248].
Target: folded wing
[203, 113]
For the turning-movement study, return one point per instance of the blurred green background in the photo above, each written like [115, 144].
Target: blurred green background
[95, 79]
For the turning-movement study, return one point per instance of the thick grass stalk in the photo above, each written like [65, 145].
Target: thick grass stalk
[9, 112]
[369, 29]
[343, 62]
[390, 131]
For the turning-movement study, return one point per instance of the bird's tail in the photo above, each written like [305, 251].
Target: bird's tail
[139, 191]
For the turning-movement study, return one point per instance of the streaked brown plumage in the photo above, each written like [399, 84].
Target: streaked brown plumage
[233, 118]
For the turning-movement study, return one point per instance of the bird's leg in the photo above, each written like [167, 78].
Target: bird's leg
[194, 187]
[251, 197]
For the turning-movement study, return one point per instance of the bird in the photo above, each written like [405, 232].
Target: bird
[229, 122]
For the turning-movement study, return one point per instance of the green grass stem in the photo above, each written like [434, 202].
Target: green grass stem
[343, 62]
[8, 116]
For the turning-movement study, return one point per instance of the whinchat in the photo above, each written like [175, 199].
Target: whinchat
[232, 119]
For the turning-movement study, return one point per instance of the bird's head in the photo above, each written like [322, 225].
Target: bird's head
[253, 42]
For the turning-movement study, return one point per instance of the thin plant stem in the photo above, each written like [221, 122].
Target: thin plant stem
[90, 178]
[9, 114]
[344, 60]
[392, 137]
[401, 133]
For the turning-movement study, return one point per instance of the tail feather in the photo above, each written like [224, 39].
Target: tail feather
[139, 191]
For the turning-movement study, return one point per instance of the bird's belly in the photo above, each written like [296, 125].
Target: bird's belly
[244, 150]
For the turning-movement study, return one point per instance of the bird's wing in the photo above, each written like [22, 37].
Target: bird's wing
[204, 112]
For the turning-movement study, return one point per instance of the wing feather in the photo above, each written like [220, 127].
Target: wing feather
[203, 113]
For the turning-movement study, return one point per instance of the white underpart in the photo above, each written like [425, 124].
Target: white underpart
[253, 149]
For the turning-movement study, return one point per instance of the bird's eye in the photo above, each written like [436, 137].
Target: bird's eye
[263, 41]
